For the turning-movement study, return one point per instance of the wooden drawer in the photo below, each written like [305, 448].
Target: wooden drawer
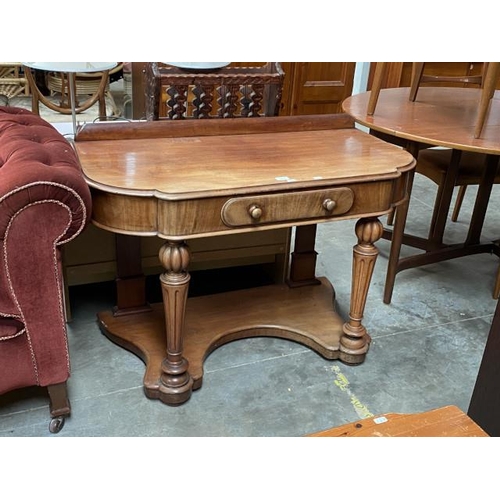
[273, 208]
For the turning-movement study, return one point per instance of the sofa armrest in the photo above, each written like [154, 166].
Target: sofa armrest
[38, 164]
[44, 202]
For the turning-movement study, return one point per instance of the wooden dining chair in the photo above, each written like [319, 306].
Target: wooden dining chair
[487, 80]
[418, 76]
[433, 164]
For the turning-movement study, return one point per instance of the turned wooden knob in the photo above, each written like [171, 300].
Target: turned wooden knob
[255, 212]
[329, 205]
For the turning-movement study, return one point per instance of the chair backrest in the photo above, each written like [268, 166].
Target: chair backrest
[418, 77]
[229, 92]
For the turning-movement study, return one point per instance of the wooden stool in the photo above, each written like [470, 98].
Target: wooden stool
[448, 421]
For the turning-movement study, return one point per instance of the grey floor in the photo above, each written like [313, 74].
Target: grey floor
[425, 353]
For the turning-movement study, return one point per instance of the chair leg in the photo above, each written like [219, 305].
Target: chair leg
[59, 406]
[390, 217]
[496, 289]
[378, 77]
[458, 203]
[396, 242]
[487, 93]
[417, 70]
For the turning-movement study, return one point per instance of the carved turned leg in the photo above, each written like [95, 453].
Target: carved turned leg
[175, 381]
[354, 342]
[177, 103]
[231, 100]
[256, 96]
[203, 101]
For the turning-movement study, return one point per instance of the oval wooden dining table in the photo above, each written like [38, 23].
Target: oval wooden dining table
[441, 116]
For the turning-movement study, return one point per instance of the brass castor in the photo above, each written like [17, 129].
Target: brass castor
[59, 406]
[56, 424]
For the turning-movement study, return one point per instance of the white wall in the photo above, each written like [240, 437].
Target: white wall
[360, 77]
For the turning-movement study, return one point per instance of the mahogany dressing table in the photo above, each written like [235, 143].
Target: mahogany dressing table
[199, 178]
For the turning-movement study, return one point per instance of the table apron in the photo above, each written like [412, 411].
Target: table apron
[194, 218]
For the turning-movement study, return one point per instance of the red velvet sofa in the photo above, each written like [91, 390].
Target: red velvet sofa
[44, 203]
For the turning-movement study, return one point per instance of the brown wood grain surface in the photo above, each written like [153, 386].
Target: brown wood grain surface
[173, 168]
[448, 421]
[441, 116]
[176, 185]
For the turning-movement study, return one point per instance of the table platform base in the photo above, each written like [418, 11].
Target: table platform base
[305, 315]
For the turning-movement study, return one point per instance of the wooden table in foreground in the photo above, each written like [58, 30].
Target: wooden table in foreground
[199, 178]
[448, 421]
[440, 116]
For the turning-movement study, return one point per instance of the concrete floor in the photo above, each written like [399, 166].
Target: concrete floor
[425, 353]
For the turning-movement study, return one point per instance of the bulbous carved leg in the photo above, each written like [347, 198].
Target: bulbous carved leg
[355, 341]
[175, 381]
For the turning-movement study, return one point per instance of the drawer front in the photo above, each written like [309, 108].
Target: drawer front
[275, 208]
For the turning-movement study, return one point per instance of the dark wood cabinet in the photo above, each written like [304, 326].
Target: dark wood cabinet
[308, 87]
[174, 93]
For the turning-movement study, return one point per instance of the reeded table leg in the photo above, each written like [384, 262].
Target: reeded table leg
[175, 381]
[355, 341]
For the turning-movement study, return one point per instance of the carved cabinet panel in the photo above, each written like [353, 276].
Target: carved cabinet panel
[308, 87]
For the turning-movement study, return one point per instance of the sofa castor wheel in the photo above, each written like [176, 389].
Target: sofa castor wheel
[56, 424]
